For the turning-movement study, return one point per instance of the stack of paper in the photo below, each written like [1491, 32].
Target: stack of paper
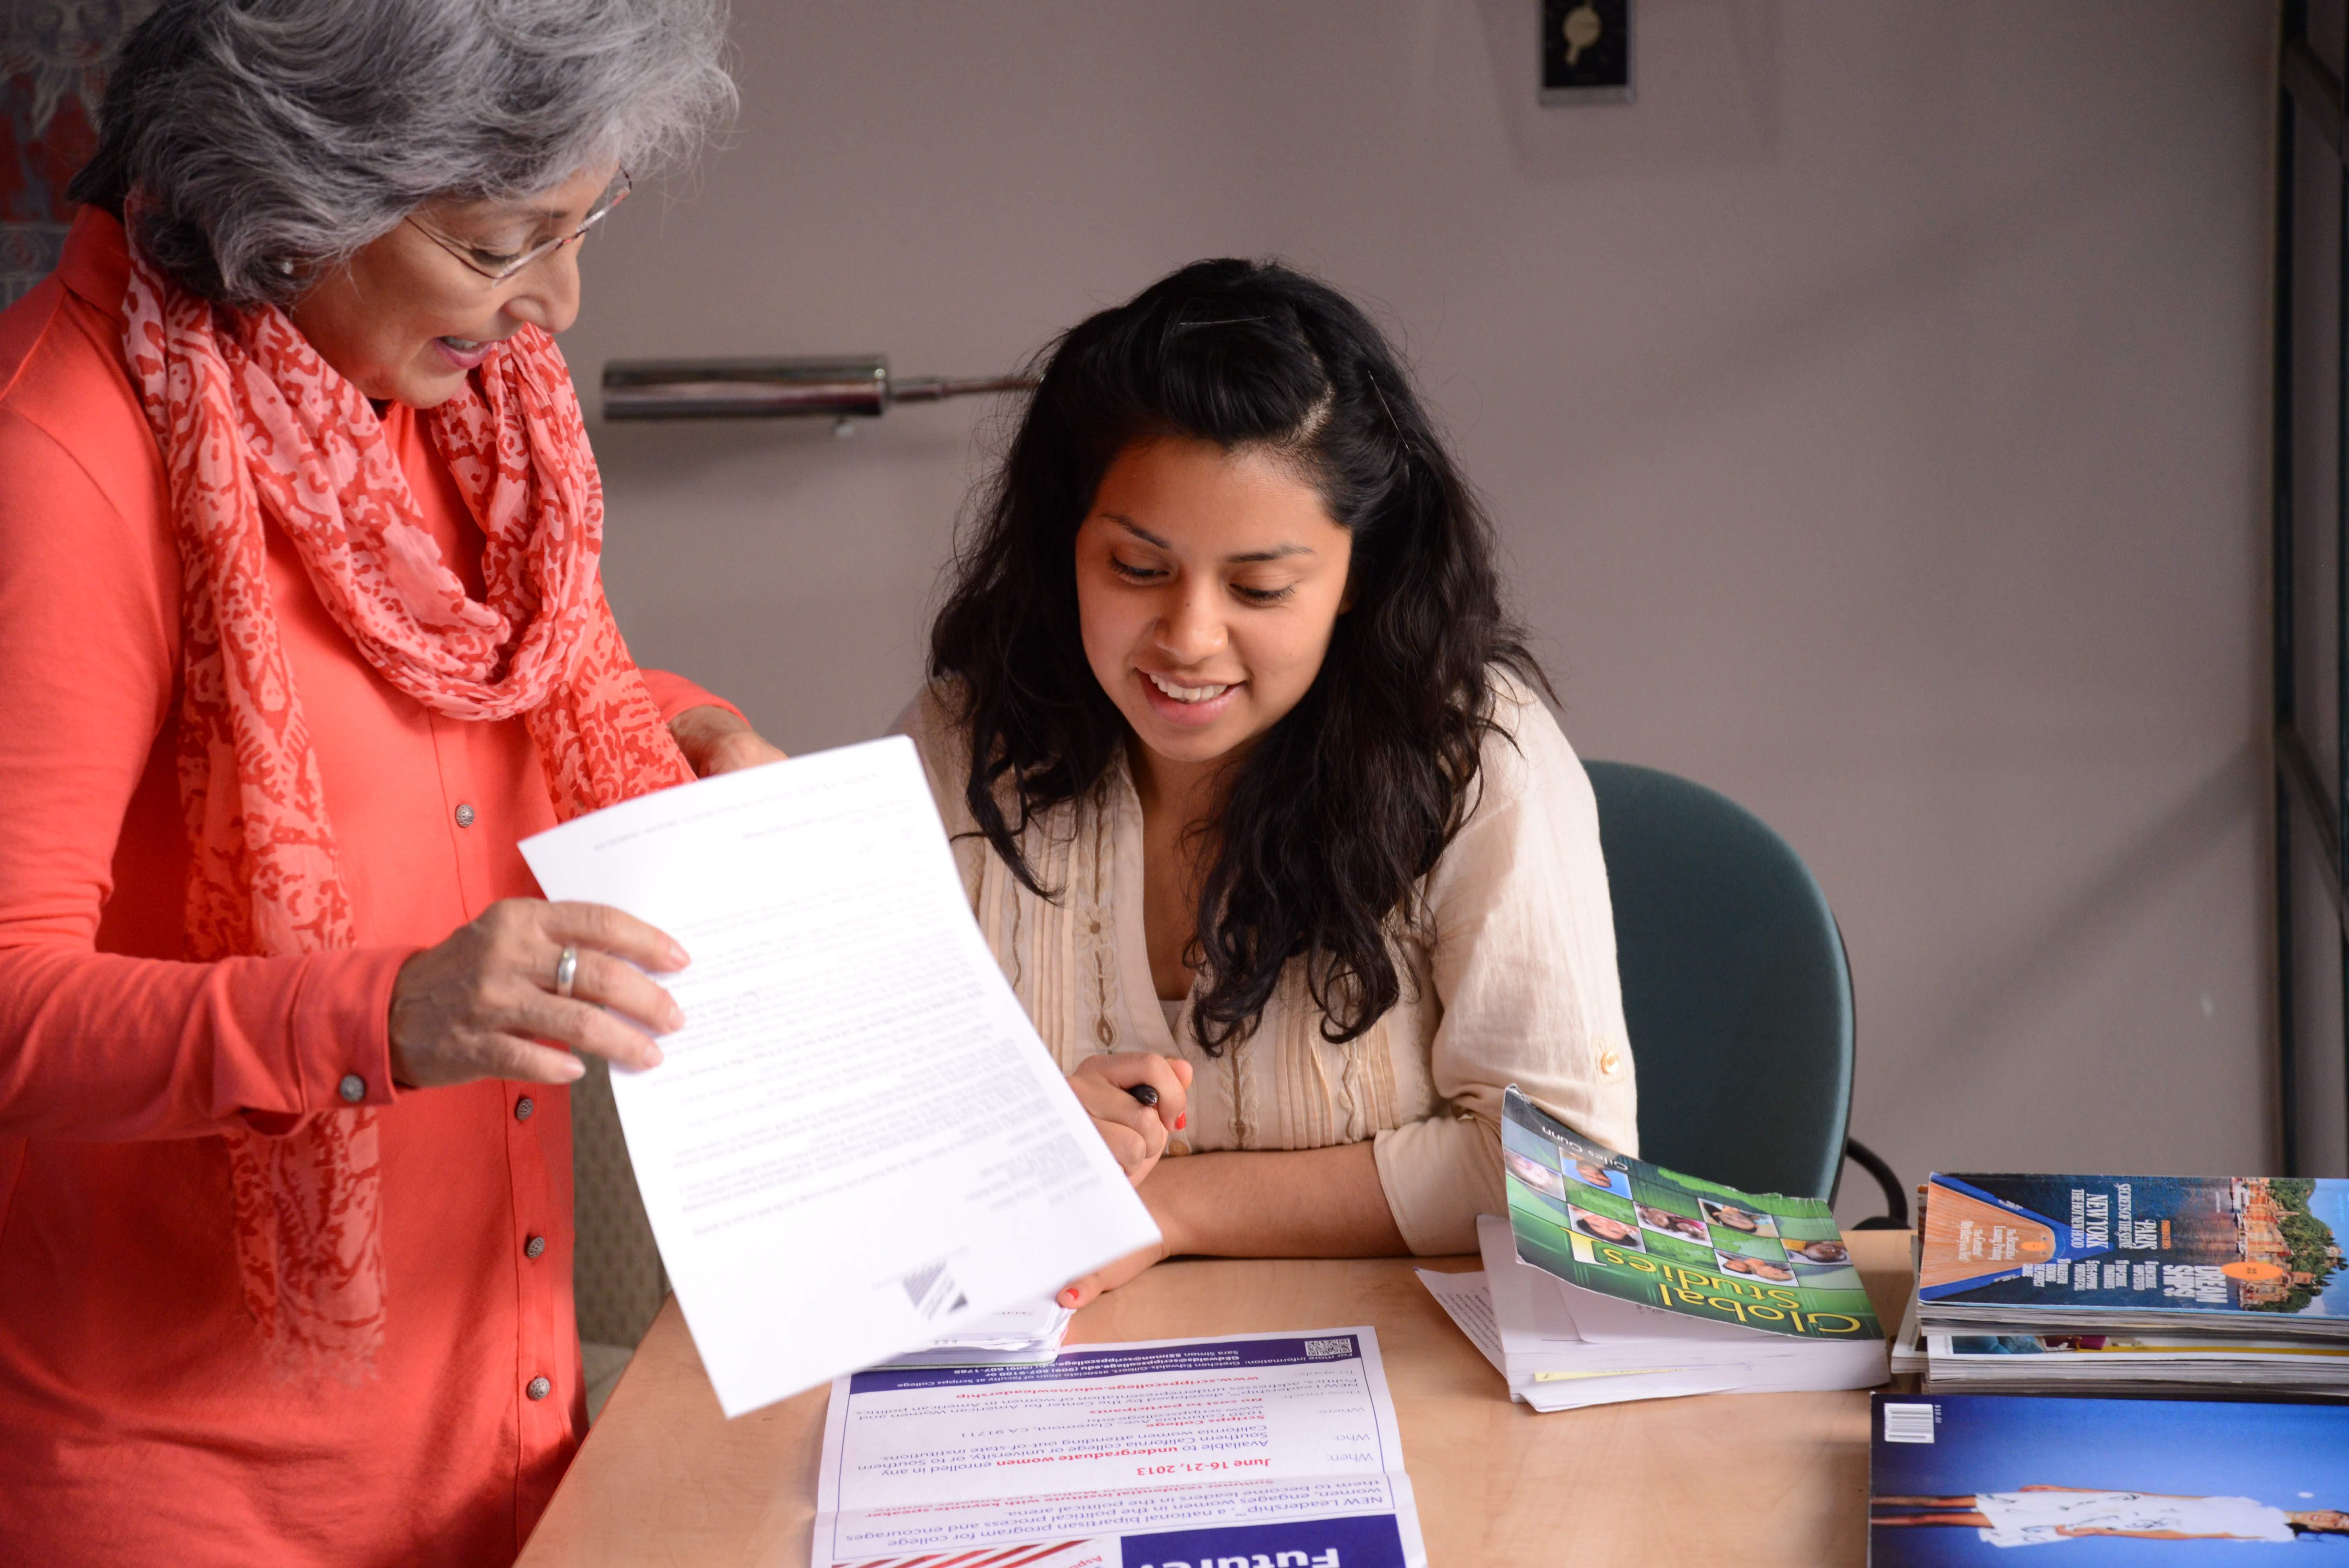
[2132, 1363]
[1025, 1335]
[1907, 1355]
[1524, 1321]
[1613, 1279]
[857, 1142]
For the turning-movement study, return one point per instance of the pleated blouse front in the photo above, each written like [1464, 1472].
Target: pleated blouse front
[1511, 979]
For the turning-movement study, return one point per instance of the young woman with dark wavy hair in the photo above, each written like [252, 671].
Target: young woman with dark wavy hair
[1250, 790]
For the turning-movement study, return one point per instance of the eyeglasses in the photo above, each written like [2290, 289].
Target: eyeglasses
[499, 265]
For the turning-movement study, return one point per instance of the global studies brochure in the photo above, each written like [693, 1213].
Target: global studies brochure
[2246, 1254]
[1676, 1245]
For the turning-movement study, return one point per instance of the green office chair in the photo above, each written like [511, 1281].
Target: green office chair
[1736, 989]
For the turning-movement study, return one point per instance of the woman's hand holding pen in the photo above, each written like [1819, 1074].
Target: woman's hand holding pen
[1137, 1100]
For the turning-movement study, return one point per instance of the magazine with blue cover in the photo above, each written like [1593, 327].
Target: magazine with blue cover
[2253, 1254]
[1961, 1479]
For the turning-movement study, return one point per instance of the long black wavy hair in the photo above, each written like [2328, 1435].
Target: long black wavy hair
[1334, 814]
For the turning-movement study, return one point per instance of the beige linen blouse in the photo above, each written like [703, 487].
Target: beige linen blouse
[1512, 981]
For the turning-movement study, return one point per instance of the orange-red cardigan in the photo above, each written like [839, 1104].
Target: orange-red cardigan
[137, 1421]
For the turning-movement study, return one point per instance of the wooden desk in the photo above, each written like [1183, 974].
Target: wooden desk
[1750, 1479]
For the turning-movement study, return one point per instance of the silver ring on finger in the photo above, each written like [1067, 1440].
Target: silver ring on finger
[566, 971]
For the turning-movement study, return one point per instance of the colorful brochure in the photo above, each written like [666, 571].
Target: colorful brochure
[1675, 1245]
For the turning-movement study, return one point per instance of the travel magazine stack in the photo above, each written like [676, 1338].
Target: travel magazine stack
[1611, 1279]
[2130, 1285]
[2128, 1358]
[2210, 1314]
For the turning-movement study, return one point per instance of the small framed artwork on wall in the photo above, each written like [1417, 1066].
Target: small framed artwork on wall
[1586, 51]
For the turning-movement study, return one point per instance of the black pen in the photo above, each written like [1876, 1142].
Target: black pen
[1145, 1093]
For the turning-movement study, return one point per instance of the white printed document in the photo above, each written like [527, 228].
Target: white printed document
[858, 1141]
[1273, 1450]
[1469, 1306]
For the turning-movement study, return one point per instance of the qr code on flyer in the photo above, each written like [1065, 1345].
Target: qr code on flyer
[1322, 1349]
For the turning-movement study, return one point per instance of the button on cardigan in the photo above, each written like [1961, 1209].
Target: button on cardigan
[139, 1420]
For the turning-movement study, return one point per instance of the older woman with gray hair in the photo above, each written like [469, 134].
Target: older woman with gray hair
[301, 632]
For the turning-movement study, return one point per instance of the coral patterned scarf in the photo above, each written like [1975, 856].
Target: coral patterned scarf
[255, 426]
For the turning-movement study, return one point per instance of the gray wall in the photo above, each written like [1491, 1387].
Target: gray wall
[1873, 412]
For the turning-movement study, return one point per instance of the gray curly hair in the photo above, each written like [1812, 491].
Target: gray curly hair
[256, 140]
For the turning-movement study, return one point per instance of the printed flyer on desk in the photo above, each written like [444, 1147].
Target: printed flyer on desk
[1607, 1223]
[1279, 1451]
[2264, 1244]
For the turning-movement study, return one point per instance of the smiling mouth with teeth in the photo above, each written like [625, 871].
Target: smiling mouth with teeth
[1187, 694]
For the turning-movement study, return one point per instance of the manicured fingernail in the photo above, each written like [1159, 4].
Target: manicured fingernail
[652, 1055]
[677, 956]
[1182, 1121]
[574, 1070]
[673, 1020]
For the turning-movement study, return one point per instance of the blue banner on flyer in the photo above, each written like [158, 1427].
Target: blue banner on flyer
[1211, 1357]
[1367, 1542]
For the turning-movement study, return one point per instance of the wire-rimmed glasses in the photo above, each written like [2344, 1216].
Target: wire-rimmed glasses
[498, 265]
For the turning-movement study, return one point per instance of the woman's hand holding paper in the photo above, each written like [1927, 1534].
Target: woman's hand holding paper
[715, 741]
[491, 1002]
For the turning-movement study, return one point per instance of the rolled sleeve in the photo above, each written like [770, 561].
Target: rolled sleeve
[1522, 961]
[1438, 1175]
